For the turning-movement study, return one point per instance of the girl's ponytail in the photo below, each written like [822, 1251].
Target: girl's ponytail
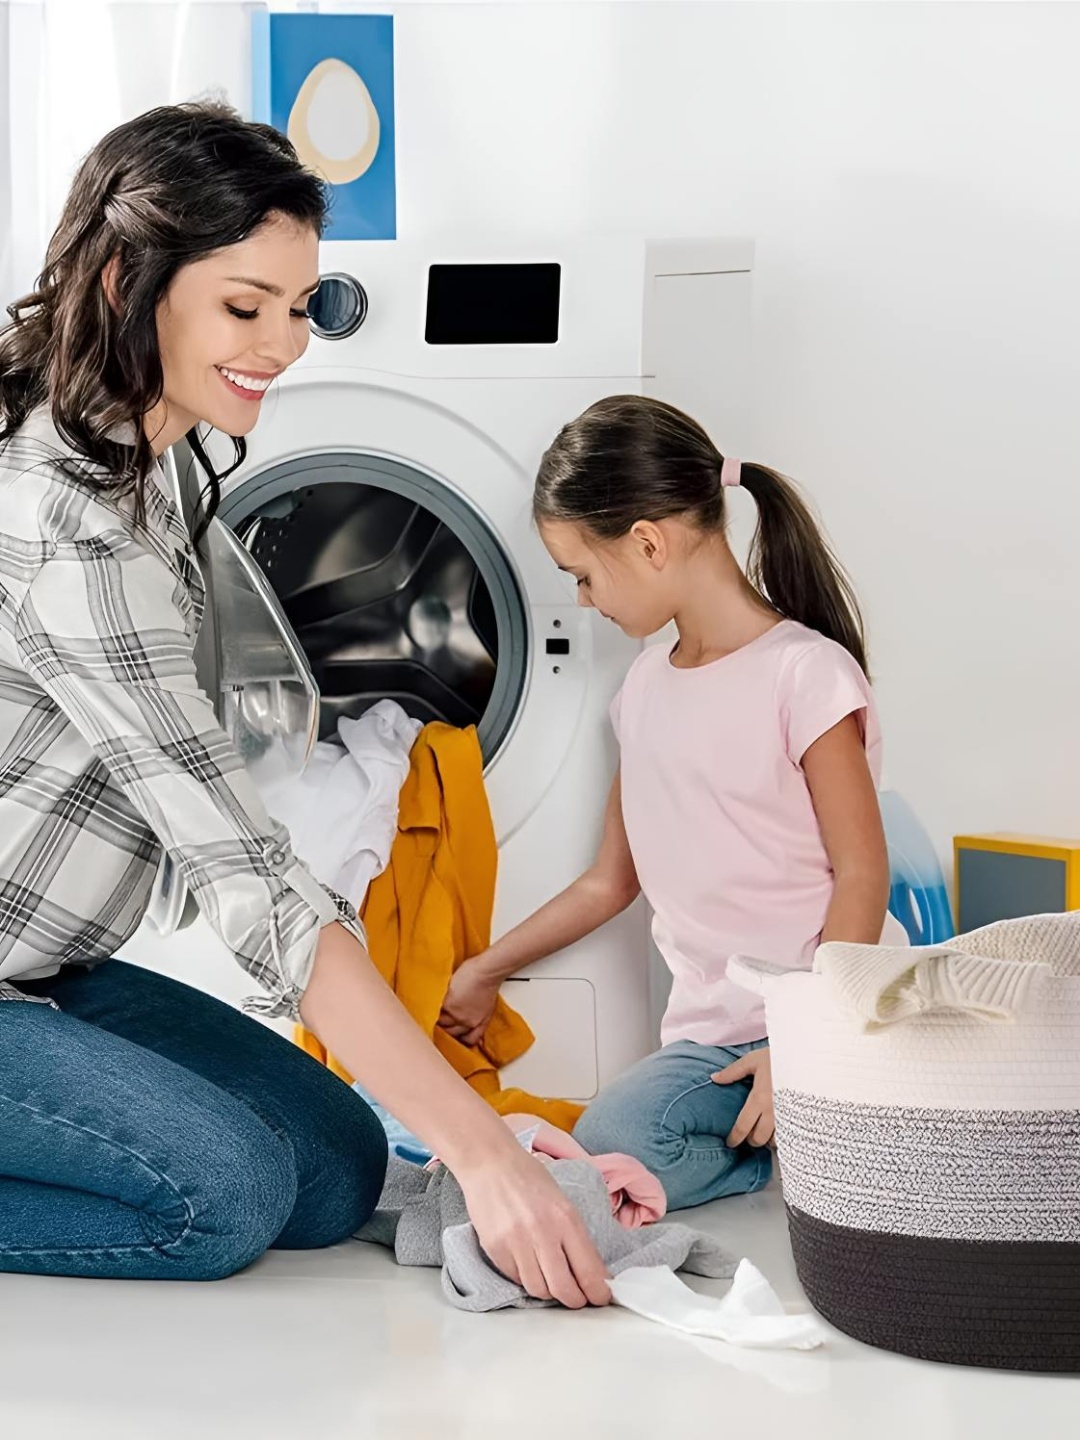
[630, 458]
[791, 566]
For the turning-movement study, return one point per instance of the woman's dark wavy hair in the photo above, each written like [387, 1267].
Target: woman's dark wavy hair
[157, 193]
[630, 458]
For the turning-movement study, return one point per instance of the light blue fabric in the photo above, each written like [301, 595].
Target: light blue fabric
[402, 1142]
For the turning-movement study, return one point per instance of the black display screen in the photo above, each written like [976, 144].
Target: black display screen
[493, 304]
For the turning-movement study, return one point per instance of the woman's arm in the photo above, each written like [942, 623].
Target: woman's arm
[848, 813]
[524, 1222]
[100, 631]
[604, 891]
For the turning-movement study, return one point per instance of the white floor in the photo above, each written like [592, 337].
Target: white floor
[323, 1346]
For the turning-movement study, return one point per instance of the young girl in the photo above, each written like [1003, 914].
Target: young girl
[146, 1130]
[745, 806]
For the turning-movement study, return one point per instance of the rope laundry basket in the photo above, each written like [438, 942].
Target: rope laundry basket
[928, 1131]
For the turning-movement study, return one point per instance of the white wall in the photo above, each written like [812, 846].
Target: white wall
[910, 174]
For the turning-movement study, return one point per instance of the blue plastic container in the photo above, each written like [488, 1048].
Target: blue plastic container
[918, 897]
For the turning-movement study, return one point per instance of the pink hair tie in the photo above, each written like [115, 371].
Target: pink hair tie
[731, 472]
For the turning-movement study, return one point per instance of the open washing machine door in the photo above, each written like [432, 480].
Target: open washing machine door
[334, 582]
[251, 665]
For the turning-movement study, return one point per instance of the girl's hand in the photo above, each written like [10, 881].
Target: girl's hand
[531, 1232]
[756, 1122]
[469, 1003]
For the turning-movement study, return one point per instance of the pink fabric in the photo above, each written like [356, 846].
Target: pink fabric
[719, 816]
[731, 472]
[637, 1197]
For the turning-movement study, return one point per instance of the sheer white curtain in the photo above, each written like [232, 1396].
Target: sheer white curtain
[7, 235]
[71, 69]
[21, 104]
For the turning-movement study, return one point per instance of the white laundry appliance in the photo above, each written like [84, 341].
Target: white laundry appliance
[386, 499]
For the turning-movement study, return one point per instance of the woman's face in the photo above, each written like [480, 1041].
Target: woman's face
[228, 326]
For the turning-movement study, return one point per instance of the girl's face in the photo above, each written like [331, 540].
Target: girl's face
[627, 580]
[229, 325]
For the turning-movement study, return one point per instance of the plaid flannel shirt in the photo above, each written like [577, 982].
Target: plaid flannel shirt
[109, 751]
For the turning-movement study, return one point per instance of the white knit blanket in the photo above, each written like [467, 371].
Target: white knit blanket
[991, 974]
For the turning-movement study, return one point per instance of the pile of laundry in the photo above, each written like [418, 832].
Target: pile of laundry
[423, 1218]
[342, 811]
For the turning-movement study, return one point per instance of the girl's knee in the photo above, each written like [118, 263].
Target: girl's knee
[609, 1127]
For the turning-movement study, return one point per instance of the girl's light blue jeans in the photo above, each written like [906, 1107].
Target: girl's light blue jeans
[669, 1114]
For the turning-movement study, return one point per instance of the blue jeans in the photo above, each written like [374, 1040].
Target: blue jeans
[148, 1131]
[668, 1114]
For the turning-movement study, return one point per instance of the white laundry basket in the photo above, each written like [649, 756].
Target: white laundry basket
[928, 1131]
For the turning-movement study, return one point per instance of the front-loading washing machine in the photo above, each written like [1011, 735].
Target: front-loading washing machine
[385, 498]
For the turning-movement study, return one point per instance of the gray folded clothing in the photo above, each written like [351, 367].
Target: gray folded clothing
[422, 1217]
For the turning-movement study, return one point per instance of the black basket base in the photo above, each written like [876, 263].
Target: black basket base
[1011, 1306]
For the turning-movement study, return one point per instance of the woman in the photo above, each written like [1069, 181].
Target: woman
[147, 1130]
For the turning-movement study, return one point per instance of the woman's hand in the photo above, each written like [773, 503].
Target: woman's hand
[531, 1232]
[524, 1222]
[469, 1004]
[757, 1121]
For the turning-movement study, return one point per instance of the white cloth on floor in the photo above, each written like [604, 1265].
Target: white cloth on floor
[342, 812]
[749, 1314]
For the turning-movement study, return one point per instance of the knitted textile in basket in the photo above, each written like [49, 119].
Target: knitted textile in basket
[928, 1131]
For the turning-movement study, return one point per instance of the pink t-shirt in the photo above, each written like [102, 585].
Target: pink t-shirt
[719, 816]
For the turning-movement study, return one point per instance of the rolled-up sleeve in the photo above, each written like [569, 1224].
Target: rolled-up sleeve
[104, 629]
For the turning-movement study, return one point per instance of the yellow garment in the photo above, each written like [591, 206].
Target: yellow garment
[431, 909]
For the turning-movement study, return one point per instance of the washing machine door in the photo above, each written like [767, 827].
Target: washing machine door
[247, 657]
[254, 667]
[250, 663]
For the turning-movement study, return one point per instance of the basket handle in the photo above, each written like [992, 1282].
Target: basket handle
[884, 986]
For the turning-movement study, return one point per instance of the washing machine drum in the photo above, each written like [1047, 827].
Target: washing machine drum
[394, 587]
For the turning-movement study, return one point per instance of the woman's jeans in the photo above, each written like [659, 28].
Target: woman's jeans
[150, 1132]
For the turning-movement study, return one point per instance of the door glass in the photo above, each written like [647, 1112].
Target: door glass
[269, 700]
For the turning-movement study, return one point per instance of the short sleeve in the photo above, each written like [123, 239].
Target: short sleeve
[616, 715]
[822, 686]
